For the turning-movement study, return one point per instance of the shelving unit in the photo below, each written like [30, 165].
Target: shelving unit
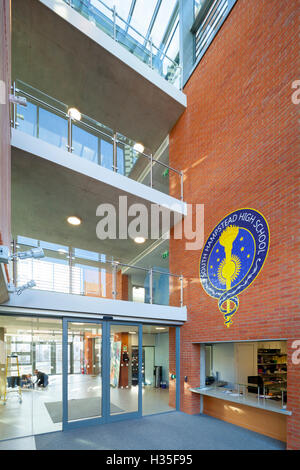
[272, 368]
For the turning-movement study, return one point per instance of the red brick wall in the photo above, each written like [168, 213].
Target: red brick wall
[237, 143]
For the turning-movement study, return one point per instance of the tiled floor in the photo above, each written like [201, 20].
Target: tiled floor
[23, 443]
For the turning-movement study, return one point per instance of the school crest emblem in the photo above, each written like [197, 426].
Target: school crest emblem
[232, 258]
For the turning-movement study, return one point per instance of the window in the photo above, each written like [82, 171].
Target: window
[210, 15]
[256, 371]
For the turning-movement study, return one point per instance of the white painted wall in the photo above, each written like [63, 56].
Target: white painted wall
[162, 354]
[246, 361]
[149, 365]
[223, 361]
[237, 361]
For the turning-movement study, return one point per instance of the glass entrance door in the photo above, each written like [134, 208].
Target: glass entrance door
[101, 371]
[124, 370]
[83, 384]
[56, 373]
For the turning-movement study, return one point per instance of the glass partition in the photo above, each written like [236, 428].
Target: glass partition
[31, 381]
[124, 376]
[82, 272]
[47, 119]
[159, 369]
[44, 117]
[253, 372]
[92, 275]
[136, 284]
[50, 273]
[167, 288]
[30, 376]
[85, 371]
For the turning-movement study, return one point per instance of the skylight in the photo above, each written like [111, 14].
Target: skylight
[150, 18]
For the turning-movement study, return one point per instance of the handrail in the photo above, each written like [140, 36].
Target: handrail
[115, 137]
[70, 265]
[114, 11]
[160, 54]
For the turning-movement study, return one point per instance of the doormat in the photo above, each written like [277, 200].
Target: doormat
[79, 408]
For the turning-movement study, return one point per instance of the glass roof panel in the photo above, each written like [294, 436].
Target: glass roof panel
[142, 15]
[141, 19]
[197, 5]
[162, 20]
[173, 47]
[122, 6]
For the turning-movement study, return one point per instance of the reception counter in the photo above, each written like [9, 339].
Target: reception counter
[261, 415]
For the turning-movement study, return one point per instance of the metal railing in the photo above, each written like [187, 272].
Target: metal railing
[108, 20]
[48, 119]
[73, 271]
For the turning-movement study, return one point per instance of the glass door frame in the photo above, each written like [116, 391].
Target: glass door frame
[65, 373]
[105, 368]
[139, 412]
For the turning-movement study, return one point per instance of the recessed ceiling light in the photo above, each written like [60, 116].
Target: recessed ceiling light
[138, 147]
[140, 240]
[159, 328]
[73, 220]
[74, 114]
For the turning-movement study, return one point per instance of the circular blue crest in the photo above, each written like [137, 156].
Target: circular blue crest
[232, 257]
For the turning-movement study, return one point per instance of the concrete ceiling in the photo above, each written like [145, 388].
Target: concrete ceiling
[50, 54]
[44, 195]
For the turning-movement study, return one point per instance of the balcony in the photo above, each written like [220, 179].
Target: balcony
[61, 52]
[107, 285]
[121, 31]
[50, 120]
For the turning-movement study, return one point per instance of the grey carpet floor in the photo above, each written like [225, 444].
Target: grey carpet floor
[169, 431]
[79, 408]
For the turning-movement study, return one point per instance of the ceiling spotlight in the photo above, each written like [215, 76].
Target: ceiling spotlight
[140, 240]
[73, 220]
[138, 147]
[74, 114]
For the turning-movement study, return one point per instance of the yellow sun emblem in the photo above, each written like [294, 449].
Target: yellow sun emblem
[235, 269]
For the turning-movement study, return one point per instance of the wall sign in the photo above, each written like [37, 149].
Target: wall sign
[232, 257]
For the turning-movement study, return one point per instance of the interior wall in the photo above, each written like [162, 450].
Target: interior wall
[224, 361]
[236, 361]
[160, 342]
[162, 355]
[149, 365]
